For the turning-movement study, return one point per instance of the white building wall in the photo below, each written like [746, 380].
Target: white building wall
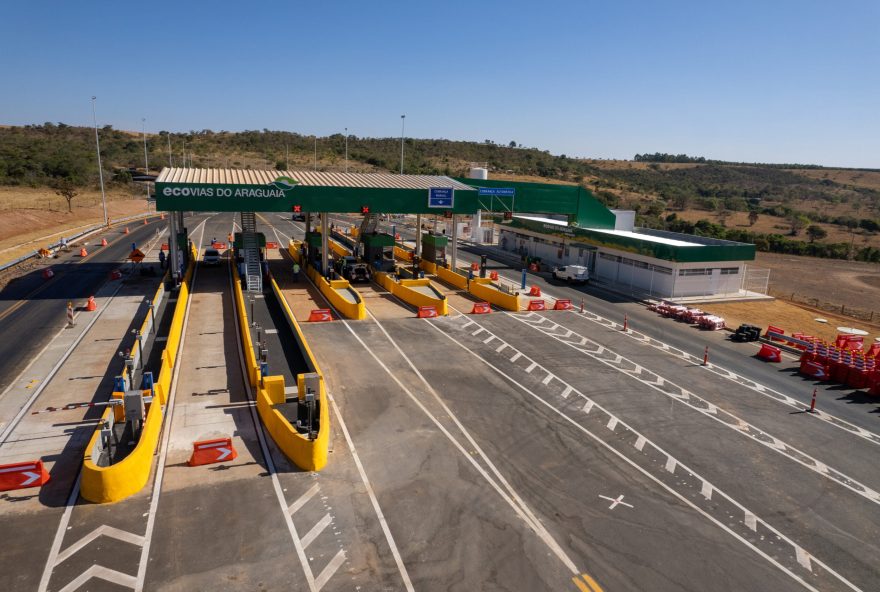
[635, 273]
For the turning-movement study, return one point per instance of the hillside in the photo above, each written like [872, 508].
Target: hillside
[773, 206]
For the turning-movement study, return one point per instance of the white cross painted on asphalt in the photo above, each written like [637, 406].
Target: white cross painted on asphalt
[616, 501]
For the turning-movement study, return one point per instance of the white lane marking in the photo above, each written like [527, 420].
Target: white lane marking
[166, 430]
[612, 423]
[102, 530]
[316, 530]
[670, 465]
[566, 392]
[374, 501]
[725, 418]
[656, 480]
[515, 357]
[588, 406]
[103, 573]
[531, 367]
[616, 501]
[59, 535]
[744, 381]
[270, 331]
[303, 499]
[330, 569]
[751, 521]
[706, 490]
[488, 339]
[395, 552]
[640, 443]
[803, 558]
[517, 505]
[501, 347]
[270, 462]
[7, 431]
[547, 380]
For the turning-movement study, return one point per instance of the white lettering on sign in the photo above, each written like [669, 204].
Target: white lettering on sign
[222, 192]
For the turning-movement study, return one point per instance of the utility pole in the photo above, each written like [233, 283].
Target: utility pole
[146, 159]
[100, 168]
[287, 152]
[346, 150]
[316, 153]
[170, 162]
[402, 123]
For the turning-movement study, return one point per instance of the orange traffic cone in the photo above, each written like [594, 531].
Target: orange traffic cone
[145, 221]
[103, 242]
[91, 305]
[83, 252]
[161, 216]
[126, 230]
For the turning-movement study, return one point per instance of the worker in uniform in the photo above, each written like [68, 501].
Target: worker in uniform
[296, 272]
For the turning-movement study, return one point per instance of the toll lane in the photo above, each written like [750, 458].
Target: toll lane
[764, 482]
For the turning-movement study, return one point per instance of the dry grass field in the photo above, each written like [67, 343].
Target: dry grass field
[32, 218]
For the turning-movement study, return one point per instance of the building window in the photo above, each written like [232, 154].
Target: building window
[729, 270]
[665, 270]
[703, 271]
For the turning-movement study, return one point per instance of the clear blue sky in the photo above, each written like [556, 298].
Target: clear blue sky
[771, 81]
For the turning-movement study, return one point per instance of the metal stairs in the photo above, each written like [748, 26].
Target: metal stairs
[250, 250]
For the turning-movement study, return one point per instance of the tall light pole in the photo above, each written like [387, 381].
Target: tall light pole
[287, 153]
[146, 159]
[402, 123]
[170, 162]
[346, 150]
[100, 168]
[316, 153]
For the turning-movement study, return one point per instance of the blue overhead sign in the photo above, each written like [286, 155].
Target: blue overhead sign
[497, 191]
[441, 197]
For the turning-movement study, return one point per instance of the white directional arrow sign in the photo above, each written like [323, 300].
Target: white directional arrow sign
[226, 452]
[31, 477]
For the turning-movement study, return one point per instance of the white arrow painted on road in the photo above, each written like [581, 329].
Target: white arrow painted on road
[226, 452]
[31, 478]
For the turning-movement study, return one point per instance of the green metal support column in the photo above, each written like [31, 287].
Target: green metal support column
[418, 235]
[454, 241]
[325, 256]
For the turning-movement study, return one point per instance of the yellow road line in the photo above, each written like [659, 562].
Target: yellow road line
[594, 586]
[581, 586]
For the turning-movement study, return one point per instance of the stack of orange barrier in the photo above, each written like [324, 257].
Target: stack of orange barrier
[562, 305]
[320, 315]
[852, 367]
[427, 312]
[535, 291]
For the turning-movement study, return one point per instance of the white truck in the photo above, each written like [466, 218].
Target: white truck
[577, 274]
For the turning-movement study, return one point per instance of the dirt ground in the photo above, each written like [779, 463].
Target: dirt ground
[790, 317]
[33, 218]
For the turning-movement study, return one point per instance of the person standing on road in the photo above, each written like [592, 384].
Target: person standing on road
[296, 272]
[71, 322]
[161, 259]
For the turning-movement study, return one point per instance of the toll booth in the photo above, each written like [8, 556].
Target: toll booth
[379, 251]
[313, 249]
[434, 248]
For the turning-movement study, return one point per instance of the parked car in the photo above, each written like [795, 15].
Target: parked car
[211, 257]
[577, 274]
[349, 268]
[298, 217]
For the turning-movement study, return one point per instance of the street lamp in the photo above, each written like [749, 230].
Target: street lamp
[100, 168]
[402, 123]
[146, 159]
[346, 150]
[316, 153]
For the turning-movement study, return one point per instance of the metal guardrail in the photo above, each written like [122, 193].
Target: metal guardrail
[70, 239]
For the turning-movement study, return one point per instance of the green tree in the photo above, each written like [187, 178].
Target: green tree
[66, 189]
[798, 222]
[816, 232]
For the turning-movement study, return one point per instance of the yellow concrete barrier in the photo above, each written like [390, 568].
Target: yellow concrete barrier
[350, 310]
[428, 266]
[403, 289]
[451, 277]
[128, 476]
[309, 455]
[483, 289]
[102, 484]
[402, 253]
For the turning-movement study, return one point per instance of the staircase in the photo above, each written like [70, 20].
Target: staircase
[250, 250]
